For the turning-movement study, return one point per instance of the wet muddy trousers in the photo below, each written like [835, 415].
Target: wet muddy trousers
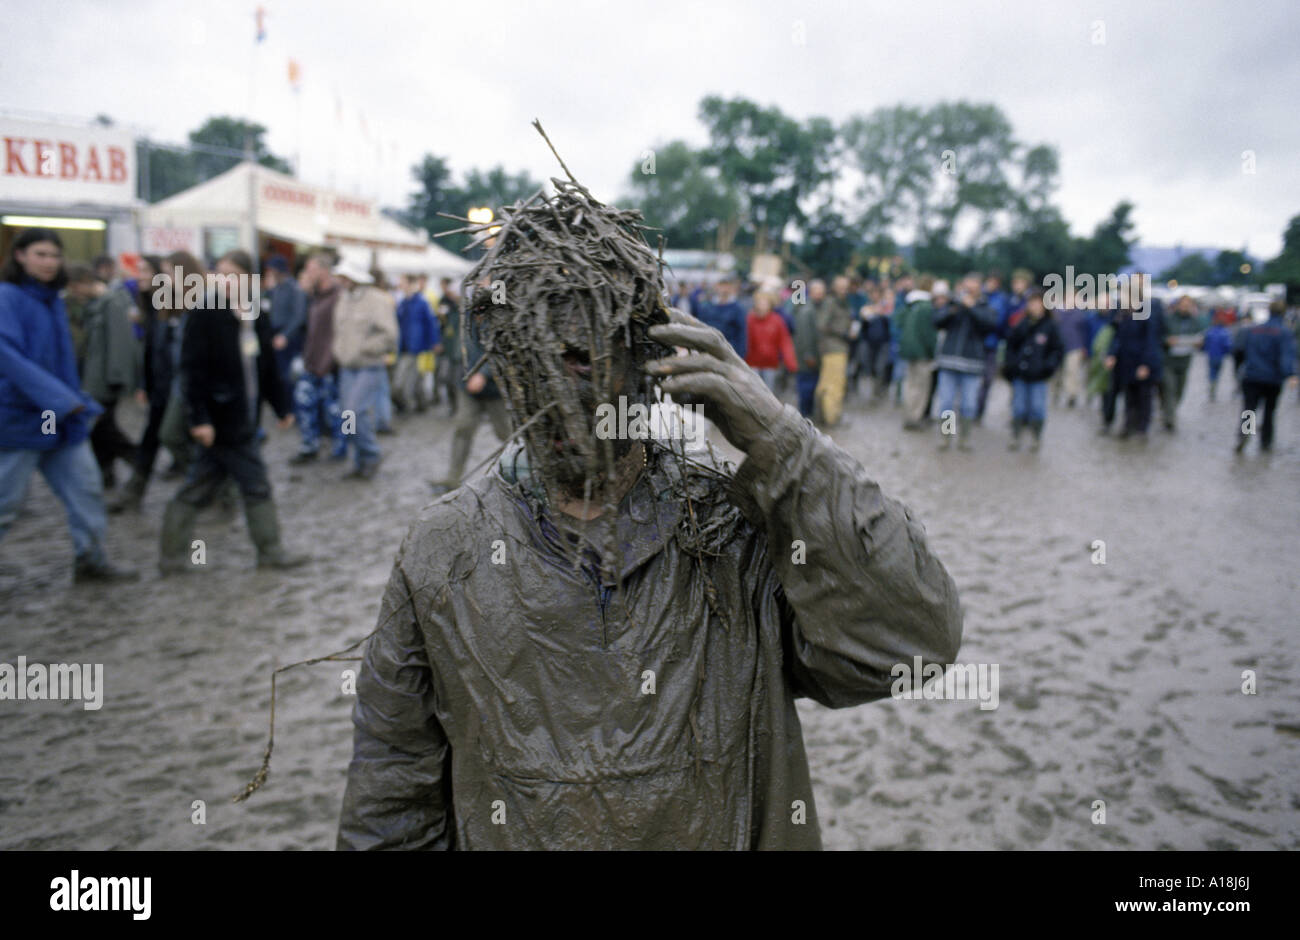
[178, 552]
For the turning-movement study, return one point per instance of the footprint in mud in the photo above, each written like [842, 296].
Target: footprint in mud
[1232, 794]
[1038, 819]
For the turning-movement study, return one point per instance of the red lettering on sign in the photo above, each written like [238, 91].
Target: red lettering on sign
[116, 165]
[92, 165]
[44, 158]
[68, 160]
[14, 155]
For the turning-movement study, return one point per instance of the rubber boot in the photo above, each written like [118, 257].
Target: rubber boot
[1037, 428]
[130, 497]
[174, 540]
[963, 433]
[264, 529]
[1016, 427]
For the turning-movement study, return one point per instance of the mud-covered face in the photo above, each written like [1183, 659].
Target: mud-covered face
[567, 366]
[563, 299]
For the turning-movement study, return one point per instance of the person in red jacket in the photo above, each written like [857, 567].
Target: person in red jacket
[770, 345]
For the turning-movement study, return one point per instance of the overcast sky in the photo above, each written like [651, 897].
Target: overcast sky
[1160, 113]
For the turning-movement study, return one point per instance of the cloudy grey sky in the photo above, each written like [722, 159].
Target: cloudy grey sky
[1160, 113]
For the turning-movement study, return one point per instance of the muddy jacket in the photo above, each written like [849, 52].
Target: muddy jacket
[528, 704]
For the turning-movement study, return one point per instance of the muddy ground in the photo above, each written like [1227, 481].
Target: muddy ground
[1119, 683]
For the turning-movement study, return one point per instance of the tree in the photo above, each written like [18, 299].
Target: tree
[972, 147]
[169, 170]
[829, 245]
[1190, 269]
[1285, 268]
[437, 192]
[888, 147]
[1040, 242]
[682, 196]
[1106, 251]
[1227, 268]
[771, 160]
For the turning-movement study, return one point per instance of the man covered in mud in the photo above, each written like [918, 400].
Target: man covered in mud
[598, 643]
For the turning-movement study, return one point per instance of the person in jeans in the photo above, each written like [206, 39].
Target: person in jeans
[961, 357]
[1266, 355]
[44, 415]
[227, 368]
[365, 333]
[316, 393]
[1034, 353]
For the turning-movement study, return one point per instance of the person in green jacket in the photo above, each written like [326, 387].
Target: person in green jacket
[1184, 332]
[111, 366]
[917, 338]
[598, 643]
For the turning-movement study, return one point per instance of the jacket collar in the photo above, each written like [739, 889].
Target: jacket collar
[647, 517]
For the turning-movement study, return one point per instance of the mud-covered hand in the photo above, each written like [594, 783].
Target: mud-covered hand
[713, 374]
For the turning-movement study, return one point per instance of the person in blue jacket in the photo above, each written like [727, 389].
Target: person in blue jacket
[1135, 359]
[418, 332]
[1266, 357]
[45, 418]
[1217, 344]
[728, 315]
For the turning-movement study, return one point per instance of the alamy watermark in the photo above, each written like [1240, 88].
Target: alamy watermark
[193, 291]
[640, 422]
[82, 682]
[1081, 291]
[953, 682]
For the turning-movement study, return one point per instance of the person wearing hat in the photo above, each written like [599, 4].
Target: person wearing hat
[365, 333]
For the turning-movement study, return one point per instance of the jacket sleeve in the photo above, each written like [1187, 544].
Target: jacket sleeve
[269, 385]
[985, 319]
[741, 331]
[868, 593]
[435, 329]
[297, 322]
[398, 791]
[787, 350]
[1055, 349]
[122, 349]
[39, 386]
[195, 381]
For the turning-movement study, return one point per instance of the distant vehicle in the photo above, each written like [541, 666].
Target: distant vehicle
[1254, 305]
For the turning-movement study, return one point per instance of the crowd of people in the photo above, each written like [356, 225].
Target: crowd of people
[937, 351]
[331, 348]
[327, 346]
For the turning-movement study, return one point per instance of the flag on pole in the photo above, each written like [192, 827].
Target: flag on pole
[261, 23]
